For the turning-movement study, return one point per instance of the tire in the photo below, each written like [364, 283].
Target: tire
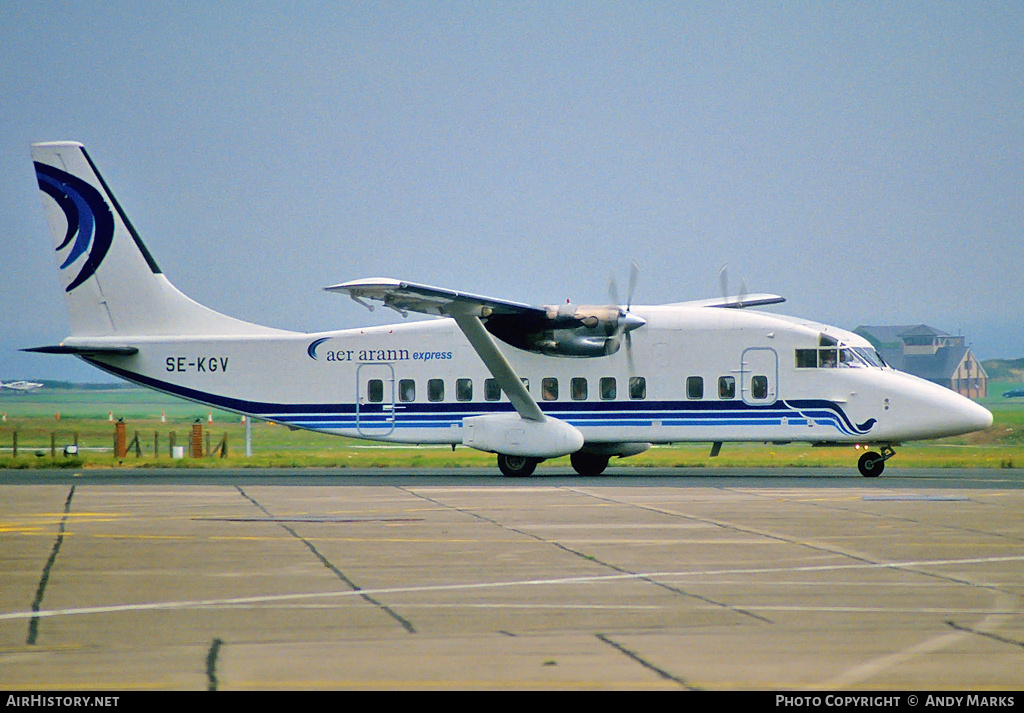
[517, 466]
[871, 465]
[588, 463]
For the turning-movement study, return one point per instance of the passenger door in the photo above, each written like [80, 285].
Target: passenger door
[375, 399]
[759, 376]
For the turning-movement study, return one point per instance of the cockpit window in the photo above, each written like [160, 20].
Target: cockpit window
[806, 358]
[870, 356]
[832, 353]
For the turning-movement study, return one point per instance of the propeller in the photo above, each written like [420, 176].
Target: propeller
[634, 277]
[723, 281]
[626, 322]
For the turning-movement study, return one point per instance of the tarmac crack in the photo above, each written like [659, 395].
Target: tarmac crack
[864, 557]
[645, 663]
[405, 623]
[986, 634]
[595, 560]
[211, 665]
[891, 517]
[790, 540]
[33, 624]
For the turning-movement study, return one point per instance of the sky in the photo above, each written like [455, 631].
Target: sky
[864, 160]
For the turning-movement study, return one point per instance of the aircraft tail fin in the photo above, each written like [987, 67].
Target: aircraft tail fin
[112, 285]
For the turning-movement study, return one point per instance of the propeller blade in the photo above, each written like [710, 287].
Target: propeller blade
[634, 278]
[613, 290]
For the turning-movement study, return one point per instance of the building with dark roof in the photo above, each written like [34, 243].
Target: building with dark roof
[930, 354]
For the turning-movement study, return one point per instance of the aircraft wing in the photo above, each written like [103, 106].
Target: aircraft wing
[467, 310]
[412, 297]
[736, 302]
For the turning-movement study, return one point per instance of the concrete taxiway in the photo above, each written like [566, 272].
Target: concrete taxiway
[680, 579]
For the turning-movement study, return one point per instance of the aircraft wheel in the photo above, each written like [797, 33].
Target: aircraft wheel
[517, 466]
[588, 463]
[871, 465]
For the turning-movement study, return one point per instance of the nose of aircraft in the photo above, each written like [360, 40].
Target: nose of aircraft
[933, 411]
[956, 414]
[976, 417]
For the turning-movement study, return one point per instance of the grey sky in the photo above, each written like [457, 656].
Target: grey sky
[862, 159]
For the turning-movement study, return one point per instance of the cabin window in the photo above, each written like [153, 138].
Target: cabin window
[726, 387]
[406, 390]
[609, 389]
[375, 391]
[637, 387]
[435, 390]
[492, 392]
[463, 389]
[694, 387]
[549, 388]
[578, 389]
[526, 383]
[759, 387]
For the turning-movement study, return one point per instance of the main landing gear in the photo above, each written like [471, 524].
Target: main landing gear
[517, 466]
[588, 463]
[872, 464]
[523, 466]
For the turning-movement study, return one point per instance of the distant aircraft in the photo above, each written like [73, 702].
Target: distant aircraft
[20, 385]
[522, 381]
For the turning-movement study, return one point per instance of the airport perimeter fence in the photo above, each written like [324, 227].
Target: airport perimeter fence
[197, 444]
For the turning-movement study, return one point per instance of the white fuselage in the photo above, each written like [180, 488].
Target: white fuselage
[692, 374]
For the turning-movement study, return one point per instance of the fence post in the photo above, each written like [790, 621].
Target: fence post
[120, 439]
[14, 444]
[197, 440]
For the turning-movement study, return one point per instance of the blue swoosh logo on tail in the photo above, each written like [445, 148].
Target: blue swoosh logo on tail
[90, 222]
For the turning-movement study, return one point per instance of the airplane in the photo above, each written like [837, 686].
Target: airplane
[20, 385]
[524, 382]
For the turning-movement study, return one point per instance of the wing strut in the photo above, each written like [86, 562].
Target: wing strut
[495, 361]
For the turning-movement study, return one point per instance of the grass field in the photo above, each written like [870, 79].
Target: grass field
[45, 421]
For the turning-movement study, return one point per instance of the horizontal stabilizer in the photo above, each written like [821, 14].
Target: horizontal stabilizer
[86, 350]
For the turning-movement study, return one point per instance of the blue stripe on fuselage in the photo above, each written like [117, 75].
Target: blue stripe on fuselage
[582, 414]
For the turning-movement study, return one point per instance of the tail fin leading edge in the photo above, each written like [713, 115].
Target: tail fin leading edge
[112, 285]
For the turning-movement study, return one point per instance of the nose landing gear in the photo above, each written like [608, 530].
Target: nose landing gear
[872, 464]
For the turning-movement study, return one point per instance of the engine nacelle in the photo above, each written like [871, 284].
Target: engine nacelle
[568, 330]
[511, 435]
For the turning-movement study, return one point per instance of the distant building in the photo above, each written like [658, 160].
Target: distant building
[930, 354]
